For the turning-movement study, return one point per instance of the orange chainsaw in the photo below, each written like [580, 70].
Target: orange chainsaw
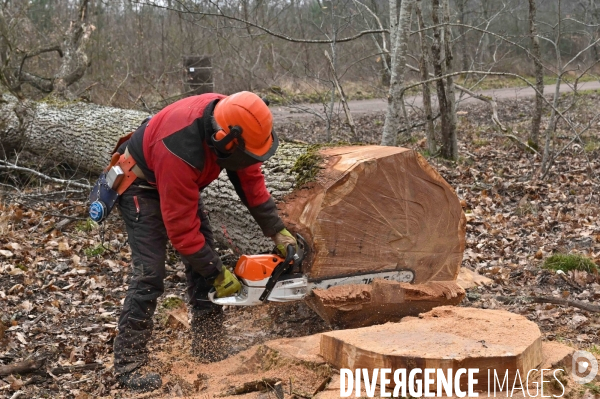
[270, 277]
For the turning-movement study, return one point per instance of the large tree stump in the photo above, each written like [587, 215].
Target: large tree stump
[361, 208]
[494, 340]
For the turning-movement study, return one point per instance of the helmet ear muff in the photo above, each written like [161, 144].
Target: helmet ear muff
[220, 135]
[225, 142]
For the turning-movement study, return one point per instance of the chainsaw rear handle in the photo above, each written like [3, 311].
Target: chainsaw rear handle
[278, 271]
[290, 249]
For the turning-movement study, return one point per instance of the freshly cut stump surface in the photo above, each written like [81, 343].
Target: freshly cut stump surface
[446, 337]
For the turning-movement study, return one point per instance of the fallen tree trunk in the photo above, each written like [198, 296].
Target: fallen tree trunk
[361, 208]
[81, 134]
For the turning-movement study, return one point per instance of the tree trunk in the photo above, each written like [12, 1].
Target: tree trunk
[462, 19]
[368, 208]
[450, 142]
[399, 49]
[81, 134]
[424, 69]
[536, 119]
[438, 70]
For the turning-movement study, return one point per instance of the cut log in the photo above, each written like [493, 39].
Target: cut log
[383, 301]
[379, 208]
[362, 209]
[439, 339]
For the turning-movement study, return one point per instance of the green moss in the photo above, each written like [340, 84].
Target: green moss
[532, 145]
[94, 251]
[499, 82]
[172, 302]
[86, 225]
[566, 262]
[57, 102]
[591, 146]
[307, 165]
[481, 142]
[594, 349]
[594, 388]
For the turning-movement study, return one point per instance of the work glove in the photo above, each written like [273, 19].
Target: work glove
[282, 240]
[226, 283]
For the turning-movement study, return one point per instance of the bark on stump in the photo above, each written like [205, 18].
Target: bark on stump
[438, 339]
[368, 209]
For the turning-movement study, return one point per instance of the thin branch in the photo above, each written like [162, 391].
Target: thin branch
[493, 104]
[378, 23]
[503, 38]
[342, 97]
[579, 53]
[221, 14]
[35, 54]
[552, 106]
[8, 166]
[120, 84]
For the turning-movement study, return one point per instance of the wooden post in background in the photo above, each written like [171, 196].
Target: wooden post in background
[197, 76]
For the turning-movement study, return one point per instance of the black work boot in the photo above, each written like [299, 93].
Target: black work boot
[136, 381]
[208, 334]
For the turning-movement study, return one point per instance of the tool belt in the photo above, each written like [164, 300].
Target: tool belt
[113, 181]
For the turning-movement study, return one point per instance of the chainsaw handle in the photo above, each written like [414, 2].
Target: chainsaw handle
[291, 249]
[293, 258]
[278, 271]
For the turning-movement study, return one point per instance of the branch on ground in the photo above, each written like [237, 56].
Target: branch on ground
[8, 166]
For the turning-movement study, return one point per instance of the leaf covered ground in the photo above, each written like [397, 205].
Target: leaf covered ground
[63, 279]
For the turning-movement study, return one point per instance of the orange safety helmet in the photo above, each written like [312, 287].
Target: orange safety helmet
[246, 130]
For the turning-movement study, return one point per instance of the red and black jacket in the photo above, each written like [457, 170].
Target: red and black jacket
[173, 152]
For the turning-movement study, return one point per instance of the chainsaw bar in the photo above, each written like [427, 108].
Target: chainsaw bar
[401, 276]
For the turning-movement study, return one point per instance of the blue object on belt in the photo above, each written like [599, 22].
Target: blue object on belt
[102, 198]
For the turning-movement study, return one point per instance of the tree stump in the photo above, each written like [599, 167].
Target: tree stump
[445, 338]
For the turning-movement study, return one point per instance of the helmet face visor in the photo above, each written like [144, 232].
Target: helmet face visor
[239, 158]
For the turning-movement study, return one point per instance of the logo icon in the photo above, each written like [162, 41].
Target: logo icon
[585, 367]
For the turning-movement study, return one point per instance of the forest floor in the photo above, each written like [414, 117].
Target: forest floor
[61, 289]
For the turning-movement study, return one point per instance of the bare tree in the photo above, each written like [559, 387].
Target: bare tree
[72, 51]
[396, 94]
[424, 70]
[461, 6]
[442, 63]
[539, 77]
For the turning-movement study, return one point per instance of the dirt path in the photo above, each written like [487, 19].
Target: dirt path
[283, 114]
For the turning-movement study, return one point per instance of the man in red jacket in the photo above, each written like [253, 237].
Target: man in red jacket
[179, 152]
